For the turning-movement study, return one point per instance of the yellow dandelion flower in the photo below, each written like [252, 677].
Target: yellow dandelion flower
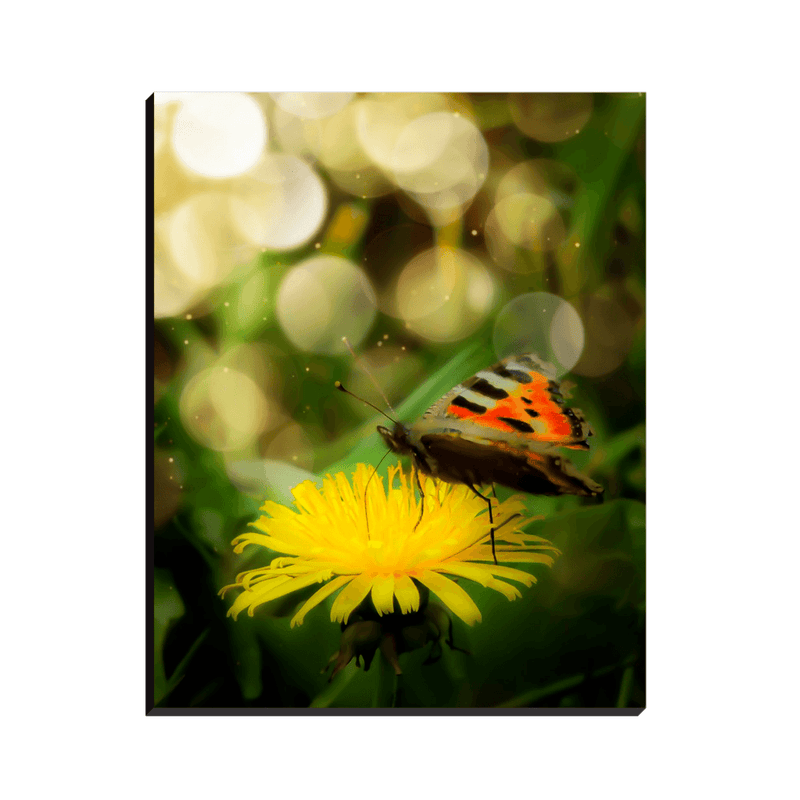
[384, 554]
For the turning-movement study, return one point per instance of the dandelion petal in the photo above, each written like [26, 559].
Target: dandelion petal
[318, 596]
[484, 575]
[262, 593]
[383, 594]
[506, 589]
[452, 595]
[530, 558]
[407, 594]
[350, 597]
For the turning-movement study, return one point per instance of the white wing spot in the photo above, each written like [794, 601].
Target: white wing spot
[506, 384]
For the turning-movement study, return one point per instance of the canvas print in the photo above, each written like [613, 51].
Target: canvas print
[397, 433]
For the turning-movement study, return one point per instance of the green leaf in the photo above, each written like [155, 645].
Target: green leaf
[167, 609]
[598, 156]
[330, 694]
[246, 656]
[180, 671]
[625, 688]
[535, 695]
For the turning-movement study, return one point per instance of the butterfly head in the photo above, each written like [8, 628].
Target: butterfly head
[396, 438]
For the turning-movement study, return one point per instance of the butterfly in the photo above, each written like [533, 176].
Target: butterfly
[507, 425]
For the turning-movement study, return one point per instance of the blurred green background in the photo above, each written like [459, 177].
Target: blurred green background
[438, 232]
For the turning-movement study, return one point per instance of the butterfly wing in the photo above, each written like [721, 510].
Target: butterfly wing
[505, 425]
[466, 459]
[518, 395]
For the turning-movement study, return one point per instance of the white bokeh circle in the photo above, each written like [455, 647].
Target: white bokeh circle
[323, 299]
[281, 203]
[540, 323]
[219, 134]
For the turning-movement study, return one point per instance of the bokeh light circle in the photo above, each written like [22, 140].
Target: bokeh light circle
[381, 119]
[295, 135]
[554, 180]
[312, 105]
[441, 160]
[196, 246]
[345, 160]
[323, 299]
[527, 218]
[333, 141]
[219, 134]
[550, 117]
[203, 241]
[530, 221]
[426, 283]
[173, 290]
[541, 323]
[224, 409]
[280, 204]
[162, 124]
[444, 294]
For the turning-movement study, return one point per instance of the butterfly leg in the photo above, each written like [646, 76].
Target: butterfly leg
[452, 643]
[421, 498]
[491, 516]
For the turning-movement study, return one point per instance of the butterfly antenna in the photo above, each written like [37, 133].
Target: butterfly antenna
[369, 374]
[338, 385]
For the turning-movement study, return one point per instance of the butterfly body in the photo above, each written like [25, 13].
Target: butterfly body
[505, 425]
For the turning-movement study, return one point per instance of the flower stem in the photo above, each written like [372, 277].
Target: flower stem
[386, 686]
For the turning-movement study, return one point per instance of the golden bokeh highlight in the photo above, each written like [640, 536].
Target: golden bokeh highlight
[526, 219]
[219, 134]
[542, 176]
[444, 294]
[331, 140]
[162, 125]
[530, 221]
[341, 152]
[225, 410]
[542, 323]
[381, 119]
[311, 105]
[254, 360]
[197, 246]
[280, 204]
[426, 283]
[441, 160]
[323, 299]
[205, 227]
[295, 135]
[173, 290]
[550, 117]
[173, 183]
